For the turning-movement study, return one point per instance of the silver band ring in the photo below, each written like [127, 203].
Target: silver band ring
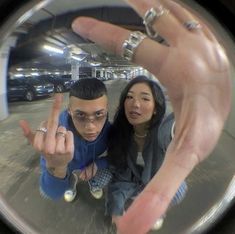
[43, 130]
[60, 134]
[149, 18]
[192, 24]
[131, 44]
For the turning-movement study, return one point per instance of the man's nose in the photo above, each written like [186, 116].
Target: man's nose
[89, 123]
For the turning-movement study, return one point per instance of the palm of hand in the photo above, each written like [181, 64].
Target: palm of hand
[200, 103]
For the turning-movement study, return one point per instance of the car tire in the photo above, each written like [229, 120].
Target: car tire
[59, 89]
[29, 96]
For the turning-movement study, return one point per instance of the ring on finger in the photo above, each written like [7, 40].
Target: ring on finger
[150, 17]
[131, 44]
[42, 129]
[60, 134]
[192, 24]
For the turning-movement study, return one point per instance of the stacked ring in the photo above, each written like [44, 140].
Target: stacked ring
[150, 16]
[191, 25]
[42, 129]
[131, 44]
[60, 134]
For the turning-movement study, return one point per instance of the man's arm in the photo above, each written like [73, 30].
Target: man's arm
[51, 186]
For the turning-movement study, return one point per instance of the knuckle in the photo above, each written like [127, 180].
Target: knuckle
[60, 151]
[37, 146]
[49, 151]
[62, 129]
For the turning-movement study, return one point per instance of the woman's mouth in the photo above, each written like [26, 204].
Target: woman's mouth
[134, 114]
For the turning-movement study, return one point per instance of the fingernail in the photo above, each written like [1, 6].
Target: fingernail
[82, 25]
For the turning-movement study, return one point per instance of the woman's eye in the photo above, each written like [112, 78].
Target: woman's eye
[146, 99]
[128, 97]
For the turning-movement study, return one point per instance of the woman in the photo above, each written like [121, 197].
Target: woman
[138, 141]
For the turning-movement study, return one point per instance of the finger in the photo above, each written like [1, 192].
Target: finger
[96, 31]
[69, 143]
[166, 25]
[52, 124]
[27, 131]
[82, 175]
[86, 174]
[39, 138]
[60, 140]
[155, 197]
[184, 15]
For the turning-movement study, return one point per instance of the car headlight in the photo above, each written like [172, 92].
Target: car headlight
[37, 86]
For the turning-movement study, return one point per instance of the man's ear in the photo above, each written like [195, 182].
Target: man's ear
[69, 111]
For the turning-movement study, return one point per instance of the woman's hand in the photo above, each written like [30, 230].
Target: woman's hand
[195, 70]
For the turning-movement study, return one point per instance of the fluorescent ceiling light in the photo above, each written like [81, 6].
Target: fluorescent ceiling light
[78, 58]
[18, 75]
[53, 49]
[95, 63]
[19, 69]
[35, 74]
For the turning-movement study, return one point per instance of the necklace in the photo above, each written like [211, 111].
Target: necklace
[140, 136]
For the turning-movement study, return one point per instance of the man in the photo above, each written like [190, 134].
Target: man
[73, 142]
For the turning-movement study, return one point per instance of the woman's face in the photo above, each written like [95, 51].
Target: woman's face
[139, 104]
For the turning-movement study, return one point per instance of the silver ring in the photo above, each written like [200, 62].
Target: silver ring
[149, 18]
[43, 130]
[131, 44]
[60, 134]
[191, 25]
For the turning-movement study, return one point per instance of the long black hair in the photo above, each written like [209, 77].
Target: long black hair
[122, 131]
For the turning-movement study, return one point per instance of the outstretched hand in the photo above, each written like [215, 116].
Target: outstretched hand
[195, 70]
[54, 142]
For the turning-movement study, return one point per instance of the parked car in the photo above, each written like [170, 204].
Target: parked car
[61, 83]
[28, 88]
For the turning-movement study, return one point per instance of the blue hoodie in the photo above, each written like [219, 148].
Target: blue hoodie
[85, 153]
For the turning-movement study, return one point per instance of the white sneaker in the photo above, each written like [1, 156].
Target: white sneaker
[97, 194]
[158, 224]
[71, 193]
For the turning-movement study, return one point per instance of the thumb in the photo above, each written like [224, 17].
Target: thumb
[27, 131]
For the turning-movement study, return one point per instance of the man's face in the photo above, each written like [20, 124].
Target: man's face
[88, 116]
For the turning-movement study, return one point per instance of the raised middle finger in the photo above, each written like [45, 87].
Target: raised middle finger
[52, 124]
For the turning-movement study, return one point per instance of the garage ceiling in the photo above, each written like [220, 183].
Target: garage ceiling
[52, 25]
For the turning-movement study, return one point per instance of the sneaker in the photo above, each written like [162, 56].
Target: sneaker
[97, 194]
[158, 224]
[71, 193]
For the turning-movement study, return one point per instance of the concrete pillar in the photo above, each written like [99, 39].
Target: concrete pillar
[93, 72]
[4, 56]
[75, 70]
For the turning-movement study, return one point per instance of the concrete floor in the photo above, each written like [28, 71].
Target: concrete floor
[19, 173]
